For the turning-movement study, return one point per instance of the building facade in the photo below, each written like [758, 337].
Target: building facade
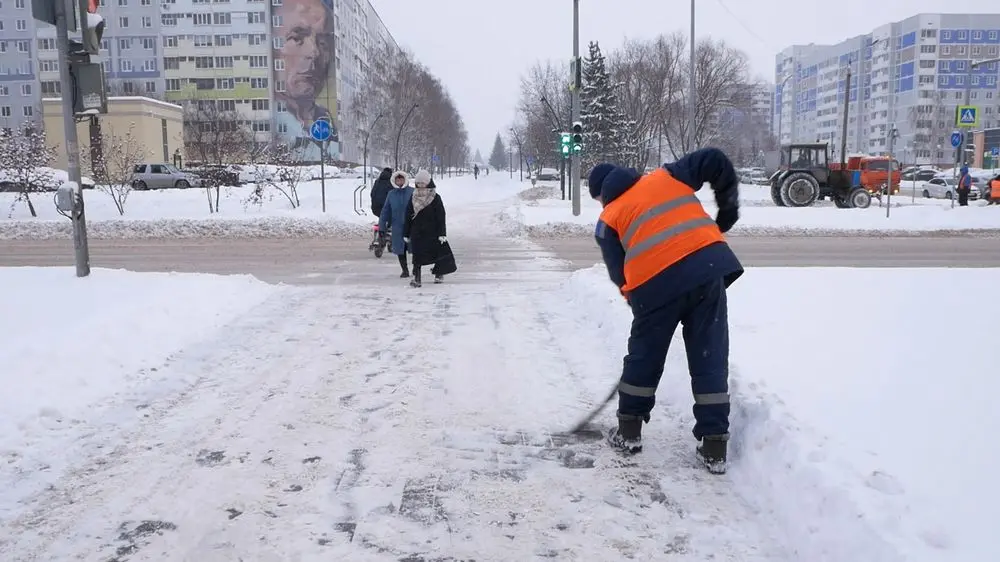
[910, 75]
[277, 64]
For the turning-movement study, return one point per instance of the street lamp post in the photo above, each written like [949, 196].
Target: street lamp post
[400, 133]
[368, 136]
[692, 93]
[781, 89]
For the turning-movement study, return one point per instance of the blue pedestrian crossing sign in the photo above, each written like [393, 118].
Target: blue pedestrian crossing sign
[320, 130]
[967, 116]
[995, 151]
[956, 139]
[436, 159]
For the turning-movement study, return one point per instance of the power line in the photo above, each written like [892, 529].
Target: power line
[745, 28]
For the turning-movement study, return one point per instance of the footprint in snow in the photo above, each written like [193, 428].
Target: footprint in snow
[885, 483]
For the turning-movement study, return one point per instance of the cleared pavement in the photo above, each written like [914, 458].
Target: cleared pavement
[337, 261]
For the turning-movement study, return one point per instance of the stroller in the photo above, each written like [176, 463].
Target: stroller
[379, 240]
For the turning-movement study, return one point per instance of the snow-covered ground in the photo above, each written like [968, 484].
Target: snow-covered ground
[185, 212]
[547, 215]
[177, 417]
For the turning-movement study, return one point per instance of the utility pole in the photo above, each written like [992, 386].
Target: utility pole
[692, 109]
[575, 165]
[71, 144]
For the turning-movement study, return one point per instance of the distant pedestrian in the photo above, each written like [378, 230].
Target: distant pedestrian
[426, 231]
[994, 191]
[671, 262]
[380, 190]
[393, 217]
[964, 186]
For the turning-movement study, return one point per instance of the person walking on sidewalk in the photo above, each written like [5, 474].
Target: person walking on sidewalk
[393, 217]
[672, 264]
[380, 190]
[425, 230]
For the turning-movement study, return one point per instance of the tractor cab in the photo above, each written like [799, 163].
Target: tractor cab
[805, 175]
[812, 158]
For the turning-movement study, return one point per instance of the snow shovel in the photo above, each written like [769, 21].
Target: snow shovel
[578, 428]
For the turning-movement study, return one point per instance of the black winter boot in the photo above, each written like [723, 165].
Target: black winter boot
[402, 265]
[627, 437]
[712, 453]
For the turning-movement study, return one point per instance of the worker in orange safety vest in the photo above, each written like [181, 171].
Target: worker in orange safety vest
[994, 194]
[671, 262]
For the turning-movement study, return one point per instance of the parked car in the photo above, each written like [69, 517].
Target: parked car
[52, 179]
[942, 187]
[162, 176]
[548, 174]
[216, 175]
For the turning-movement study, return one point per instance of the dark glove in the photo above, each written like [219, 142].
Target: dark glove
[726, 218]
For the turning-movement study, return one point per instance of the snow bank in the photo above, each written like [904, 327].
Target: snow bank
[552, 218]
[72, 345]
[862, 427]
[184, 213]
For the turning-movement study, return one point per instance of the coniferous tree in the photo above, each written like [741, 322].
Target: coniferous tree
[498, 158]
[607, 129]
[478, 158]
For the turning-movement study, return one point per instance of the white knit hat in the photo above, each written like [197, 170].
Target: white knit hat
[423, 176]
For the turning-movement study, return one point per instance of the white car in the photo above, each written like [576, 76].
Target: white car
[54, 178]
[943, 188]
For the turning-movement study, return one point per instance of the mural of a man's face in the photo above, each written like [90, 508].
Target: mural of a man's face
[308, 48]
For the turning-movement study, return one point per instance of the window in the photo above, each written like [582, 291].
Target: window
[48, 66]
[928, 48]
[124, 44]
[224, 18]
[148, 43]
[46, 44]
[25, 89]
[279, 42]
[23, 46]
[261, 126]
[4, 91]
[258, 61]
[145, 2]
[146, 21]
[256, 39]
[927, 64]
[19, 4]
[128, 88]
[960, 50]
[226, 105]
[123, 3]
[258, 83]
[994, 36]
[5, 111]
[224, 84]
[169, 20]
[51, 88]
[963, 35]
[123, 22]
[281, 107]
[946, 35]
[976, 51]
[259, 105]
[202, 19]
[150, 87]
[279, 64]
[28, 111]
[173, 85]
[960, 80]
[204, 62]
[282, 127]
[202, 40]
[224, 40]
[125, 65]
[279, 85]
[21, 25]
[276, 21]
[171, 63]
[945, 50]
[149, 65]
[255, 17]
[223, 62]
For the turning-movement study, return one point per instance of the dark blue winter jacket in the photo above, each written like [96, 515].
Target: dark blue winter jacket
[708, 165]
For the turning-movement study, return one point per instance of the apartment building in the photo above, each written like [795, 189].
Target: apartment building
[910, 74]
[278, 68]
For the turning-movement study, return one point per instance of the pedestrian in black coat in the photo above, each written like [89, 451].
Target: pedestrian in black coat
[425, 231]
[380, 190]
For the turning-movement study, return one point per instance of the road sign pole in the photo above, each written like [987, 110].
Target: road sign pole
[322, 173]
[71, 145]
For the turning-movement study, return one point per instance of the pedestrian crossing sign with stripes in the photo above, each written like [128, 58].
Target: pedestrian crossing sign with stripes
[966, 116]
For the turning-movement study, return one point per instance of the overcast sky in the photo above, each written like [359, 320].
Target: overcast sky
[480, 48]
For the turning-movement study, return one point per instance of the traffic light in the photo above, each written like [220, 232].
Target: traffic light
[577, 137]
[564, 142]
[91, 26]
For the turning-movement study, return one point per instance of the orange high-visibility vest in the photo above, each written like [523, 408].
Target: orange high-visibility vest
[660, 222]
[994, 189]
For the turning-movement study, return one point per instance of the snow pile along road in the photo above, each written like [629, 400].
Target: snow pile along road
[861, 426]
[81, 356]
[184, 213]
[547, 216]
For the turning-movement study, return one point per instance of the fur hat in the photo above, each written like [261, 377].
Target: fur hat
[423, 176]
[400, 174]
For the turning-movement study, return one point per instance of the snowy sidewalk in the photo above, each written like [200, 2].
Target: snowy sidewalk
[345, 423]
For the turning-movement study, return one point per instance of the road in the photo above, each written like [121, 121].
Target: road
[329, 261]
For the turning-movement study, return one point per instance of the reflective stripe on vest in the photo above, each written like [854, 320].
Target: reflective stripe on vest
[660, 222]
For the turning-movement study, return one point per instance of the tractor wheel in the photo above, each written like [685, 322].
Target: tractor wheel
[776, 195]
[860, 198]
[841, 203]
[799, 190]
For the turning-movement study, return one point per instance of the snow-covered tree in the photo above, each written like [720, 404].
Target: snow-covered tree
[478, 159]
[607, 129]
[498, 158]
[24, 161]
[112, 165]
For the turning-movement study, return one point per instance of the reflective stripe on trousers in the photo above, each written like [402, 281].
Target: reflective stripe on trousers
[713, 398]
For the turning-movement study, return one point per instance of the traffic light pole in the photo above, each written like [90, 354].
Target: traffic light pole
[71, 144]
[575, 164]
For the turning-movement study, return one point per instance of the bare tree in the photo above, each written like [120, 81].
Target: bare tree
[112, 169]
[283, 172]
[541, 121]
[24, 160]
[216, 134]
